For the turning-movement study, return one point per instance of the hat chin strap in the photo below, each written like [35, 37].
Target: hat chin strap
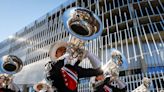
[67, 60]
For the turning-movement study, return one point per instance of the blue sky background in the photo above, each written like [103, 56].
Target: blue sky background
[16, 14]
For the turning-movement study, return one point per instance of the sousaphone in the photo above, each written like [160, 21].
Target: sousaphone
[83, 25]
[11, 64]
[117, 61]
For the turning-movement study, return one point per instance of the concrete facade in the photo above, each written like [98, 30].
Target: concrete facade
[134, 27]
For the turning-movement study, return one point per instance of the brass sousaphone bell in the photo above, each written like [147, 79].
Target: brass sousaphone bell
[11, 64]
[82, 23]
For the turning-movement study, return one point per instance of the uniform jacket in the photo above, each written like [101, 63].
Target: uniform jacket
[65, 77]
[6, 90]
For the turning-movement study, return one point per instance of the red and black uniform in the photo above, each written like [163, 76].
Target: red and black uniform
[6, 90]
[106, 87]
[65, 77]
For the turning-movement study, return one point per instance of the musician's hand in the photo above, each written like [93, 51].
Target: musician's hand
[100, 77]
[82, 54]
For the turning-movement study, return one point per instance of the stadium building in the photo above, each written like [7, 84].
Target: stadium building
[134, 27]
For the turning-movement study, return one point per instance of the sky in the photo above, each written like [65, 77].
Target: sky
[16, 14]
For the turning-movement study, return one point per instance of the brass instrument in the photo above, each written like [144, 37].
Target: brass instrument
[6, 79]
[116, 62]
[83, 25]
[41, 87]
[10, 65]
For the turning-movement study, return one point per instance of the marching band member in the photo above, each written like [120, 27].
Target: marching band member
[64, 74]
[7, 85]
[103, 83]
